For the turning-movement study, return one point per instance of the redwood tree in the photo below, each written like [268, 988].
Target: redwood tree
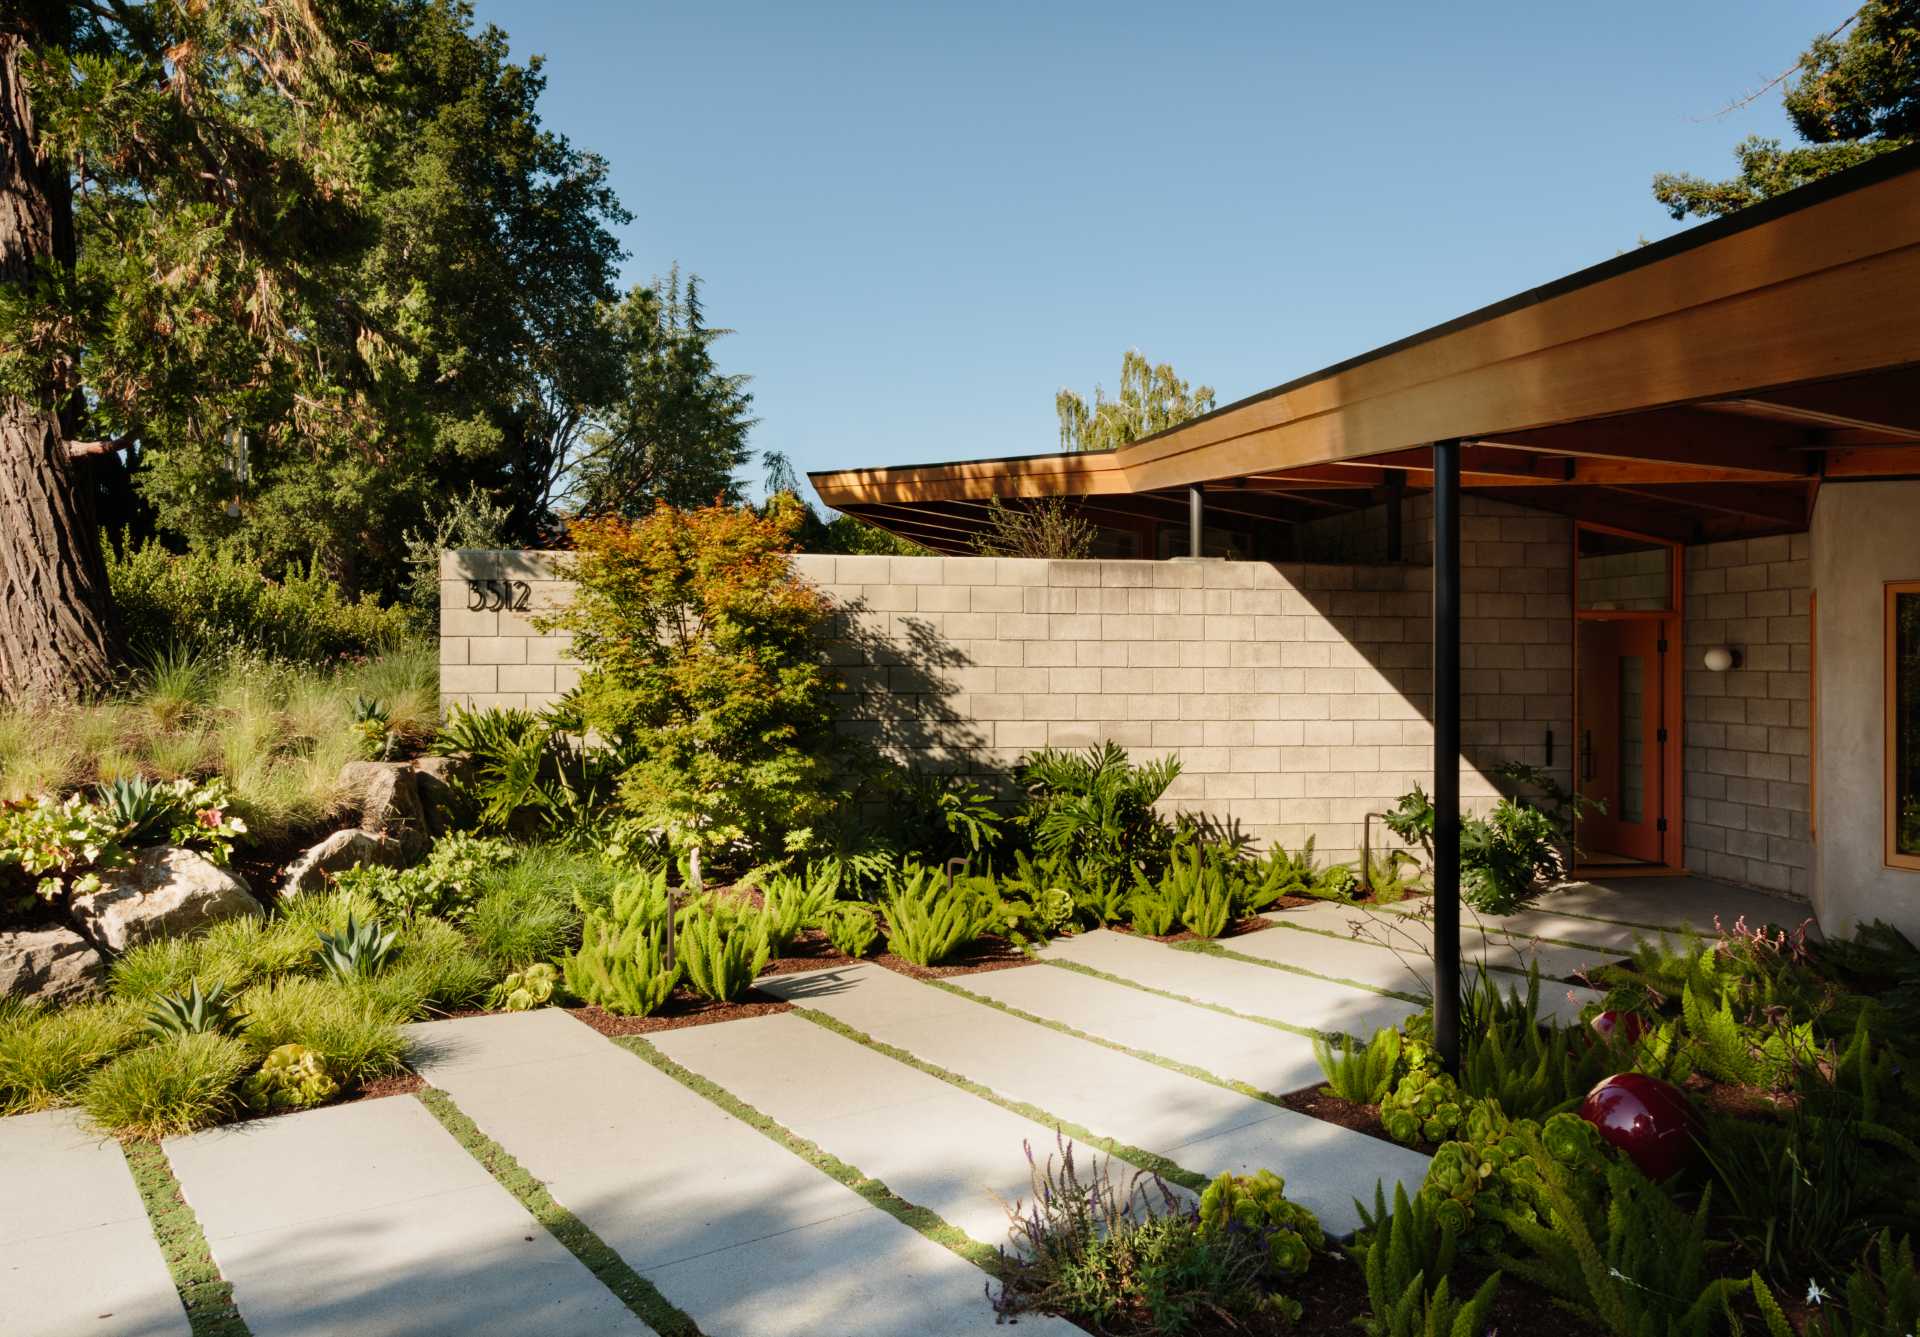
[57, 630]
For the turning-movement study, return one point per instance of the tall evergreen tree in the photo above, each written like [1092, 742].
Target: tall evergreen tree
[1151, 399]
[1853, 95]
[675, 428]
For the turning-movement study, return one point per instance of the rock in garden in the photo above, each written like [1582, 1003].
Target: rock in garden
[387, 798]
[164, 891]
[343, 849]
[433, 781]
[54, 965]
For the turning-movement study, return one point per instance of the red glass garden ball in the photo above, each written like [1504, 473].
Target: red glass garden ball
[1646, 1118]
[1625, 1026]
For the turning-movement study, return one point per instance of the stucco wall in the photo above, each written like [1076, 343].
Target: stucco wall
[1294, 696]
[1864, 534]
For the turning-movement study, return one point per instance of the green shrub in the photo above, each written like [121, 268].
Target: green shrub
[215, 604]
[928, 921]
[1506, 857]
[622, 963]
[433, 970]
[525, 910]
[852, 928]
[446, 882]
[45, 1055]
[722, 958]
[1201, 887]
[354, 1034]
[1296, 873]
[705, 658]
[1153, 908]
[1256, 1207]
[1096, 807]
[1106, 1258]
[292, 1077]
[1426, 1105]
[1396, 1254]
[1360, 1073]
[793, 901]
[172, 1087]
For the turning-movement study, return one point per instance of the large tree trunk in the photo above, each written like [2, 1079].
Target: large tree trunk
[58, 634]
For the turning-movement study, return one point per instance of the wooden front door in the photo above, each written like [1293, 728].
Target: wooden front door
[1621, 738]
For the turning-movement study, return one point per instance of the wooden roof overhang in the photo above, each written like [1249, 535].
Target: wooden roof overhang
[1698, 388]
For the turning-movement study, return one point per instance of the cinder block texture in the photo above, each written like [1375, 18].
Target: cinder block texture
[1296, 695]
[1747, 761]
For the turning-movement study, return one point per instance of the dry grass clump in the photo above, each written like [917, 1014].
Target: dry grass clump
[278, 734]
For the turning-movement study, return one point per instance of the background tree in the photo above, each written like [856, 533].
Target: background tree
[1043, 527]
[1851, 98]
[1151, 399]
[179, 186]
[675, 428]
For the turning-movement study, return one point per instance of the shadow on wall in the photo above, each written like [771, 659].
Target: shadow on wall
[900, 696]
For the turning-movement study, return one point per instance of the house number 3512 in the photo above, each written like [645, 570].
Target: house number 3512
[497, 596]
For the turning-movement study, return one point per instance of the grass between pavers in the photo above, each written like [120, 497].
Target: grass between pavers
[595, 1254]
[1664, 930]
[1139, 1157]
[1466, 958]
[1144, 1055]
[1077, 967]
[922, 1219]
[1215, 949]
[206, 1295]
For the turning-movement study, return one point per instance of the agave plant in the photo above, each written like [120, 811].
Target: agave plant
[357, 952]
[140, 810]
[197, 1012]
[373, 727]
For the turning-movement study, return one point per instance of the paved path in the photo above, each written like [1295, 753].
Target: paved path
[1200, 1127]
[76, 1253]
[732, 1228]
[370, 1219]
[1264, 1057]
[1252, 990]
[935, 1145]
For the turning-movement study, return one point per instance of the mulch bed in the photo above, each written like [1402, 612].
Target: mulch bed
[399, 1084]
[1316, 1103]
[986, 954]
[685, 1008]
[809, 951]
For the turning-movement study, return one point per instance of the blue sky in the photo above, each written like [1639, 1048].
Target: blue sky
[922, 220]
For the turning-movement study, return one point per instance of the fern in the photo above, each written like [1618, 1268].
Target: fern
[850, 927]
[928, 921]
[1360, 1073]
[1200, 887]
[624, 971]
[1883, 1294]
[1153, 908]
[1399, 1253]
[723, 954]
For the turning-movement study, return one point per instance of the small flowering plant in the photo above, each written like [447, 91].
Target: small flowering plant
[58, 842]
[205, 817]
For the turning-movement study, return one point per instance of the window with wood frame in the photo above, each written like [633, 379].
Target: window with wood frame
[1903, 724]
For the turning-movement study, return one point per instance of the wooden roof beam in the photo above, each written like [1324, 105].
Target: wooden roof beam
[1886, 404]
[1686, 439]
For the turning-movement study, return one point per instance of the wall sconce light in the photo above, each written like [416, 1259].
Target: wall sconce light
[1720, 658]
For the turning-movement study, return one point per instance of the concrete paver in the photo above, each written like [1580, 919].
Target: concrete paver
[77, 1254]
[735, 1230]
[1264, 1057]
[1246, 988]
[935, 1145]
[370, 1219]
[1199, 1126]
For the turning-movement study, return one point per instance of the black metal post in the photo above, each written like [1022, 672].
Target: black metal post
[1446, 752]
[1194, 511]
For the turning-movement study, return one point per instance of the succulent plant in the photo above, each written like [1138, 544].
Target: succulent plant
[357, 952]
[526, 988]
[293, 1077]
[1257, 1204]
[196, 1012]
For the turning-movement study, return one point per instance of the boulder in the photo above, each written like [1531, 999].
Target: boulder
[433, 780]
[165, 890]
[53, 964]
[343, 849]
[386, 797]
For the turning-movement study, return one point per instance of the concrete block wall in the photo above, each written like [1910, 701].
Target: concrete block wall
[1295, 696]
[1748, 730]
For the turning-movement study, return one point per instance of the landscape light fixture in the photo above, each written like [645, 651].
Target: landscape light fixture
[1720, 658]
